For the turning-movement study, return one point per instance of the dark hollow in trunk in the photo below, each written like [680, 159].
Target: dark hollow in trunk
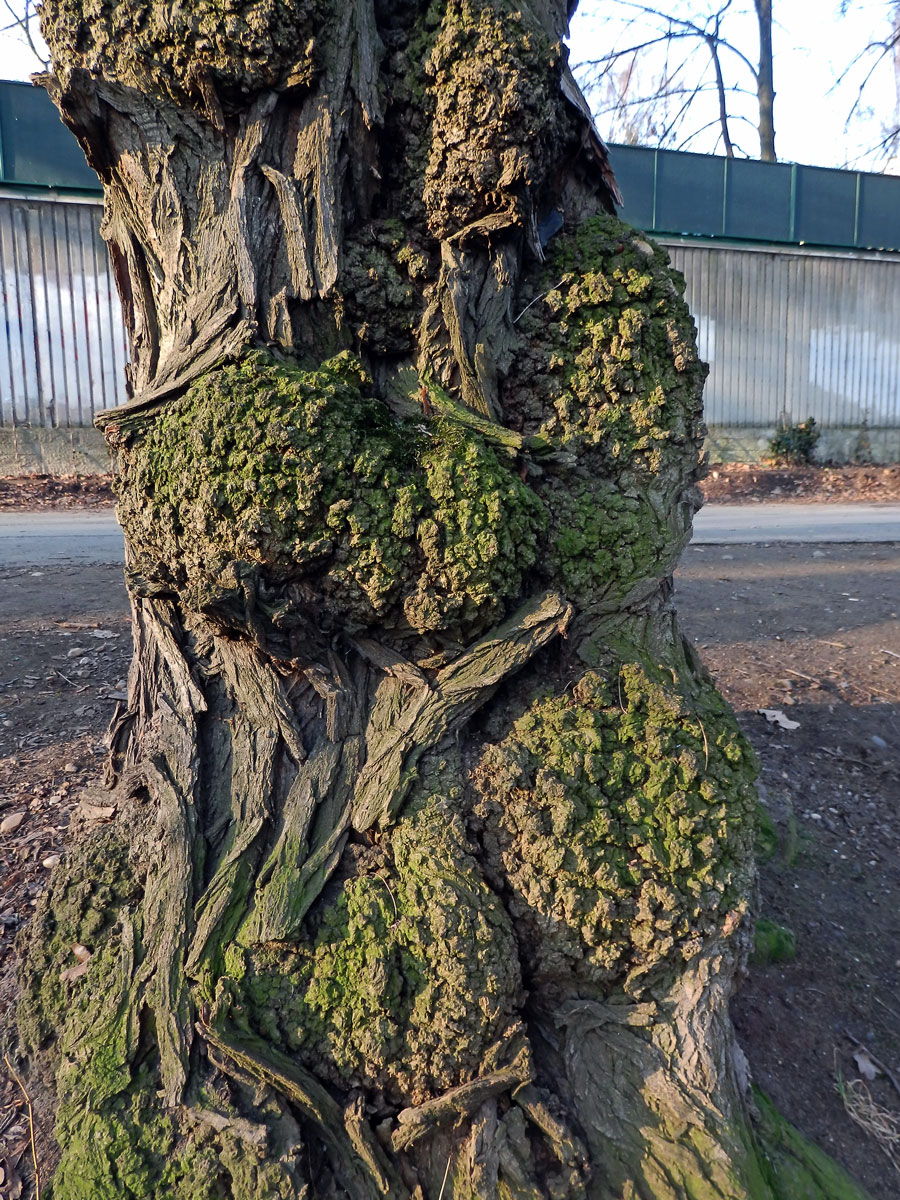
[424, 861]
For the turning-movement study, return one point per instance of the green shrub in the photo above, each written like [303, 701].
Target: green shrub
[794, 444]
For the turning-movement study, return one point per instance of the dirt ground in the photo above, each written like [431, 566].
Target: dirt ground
[742, 483]
[65, 645]
[55, 491]
[810, 632]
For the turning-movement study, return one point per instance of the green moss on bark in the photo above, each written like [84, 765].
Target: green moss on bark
[602, 542]
[410, 984]
[608, 373]
[609, 361]
[80, 909]
[306, 476]
[127, 1148]
[494, 82]
[179, 50]
[794, 1167]
[623, 829]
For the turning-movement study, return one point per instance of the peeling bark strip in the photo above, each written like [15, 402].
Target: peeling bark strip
[361, 1161]
[429, 863]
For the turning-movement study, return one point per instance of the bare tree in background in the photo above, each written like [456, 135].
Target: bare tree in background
[880, 56]
[22, 17]
[651, 87]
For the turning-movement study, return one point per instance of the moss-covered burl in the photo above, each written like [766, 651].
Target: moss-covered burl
[431, 871]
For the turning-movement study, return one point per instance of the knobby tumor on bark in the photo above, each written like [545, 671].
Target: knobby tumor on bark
[431, 858]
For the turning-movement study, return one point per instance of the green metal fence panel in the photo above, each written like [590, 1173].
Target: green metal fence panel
[826, 207]
[690, 193]
[758, 200]
[37, 149]
[635, 169]
[668, 192]
[877, 212]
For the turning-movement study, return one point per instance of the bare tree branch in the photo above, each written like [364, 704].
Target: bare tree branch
[651, 64]
[713, 45]
[24, 19]
[876, 56]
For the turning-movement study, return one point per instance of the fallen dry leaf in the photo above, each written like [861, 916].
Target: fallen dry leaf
[70, 974]
[96, 812]
[776, 717]
[865, 1066]
[11, 823]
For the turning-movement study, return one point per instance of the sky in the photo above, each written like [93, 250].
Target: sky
[812, 46]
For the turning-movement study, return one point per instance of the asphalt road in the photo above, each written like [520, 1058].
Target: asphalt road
[43, 539]
[36, 539]
[731, 524]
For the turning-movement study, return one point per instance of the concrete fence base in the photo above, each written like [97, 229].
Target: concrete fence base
[34, 451]
[733, 443]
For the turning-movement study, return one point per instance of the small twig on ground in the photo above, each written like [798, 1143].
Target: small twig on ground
[840, 645]
[800, 675]
[37, 1171]
[895, 1015]
[888, 1074]
[446, 1174]
[65, 677]
[857, 762]
[883, 650]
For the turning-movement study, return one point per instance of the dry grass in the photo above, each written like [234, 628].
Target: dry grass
[878, 1122]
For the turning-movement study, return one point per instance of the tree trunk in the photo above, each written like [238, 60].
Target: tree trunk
[713, 44]
[765, 86]
[424, 861]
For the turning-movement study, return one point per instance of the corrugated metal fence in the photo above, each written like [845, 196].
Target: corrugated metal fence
[786, 330]
[62, 341]
[796, 333]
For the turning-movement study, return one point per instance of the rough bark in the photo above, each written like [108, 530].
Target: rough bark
[424, 864]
